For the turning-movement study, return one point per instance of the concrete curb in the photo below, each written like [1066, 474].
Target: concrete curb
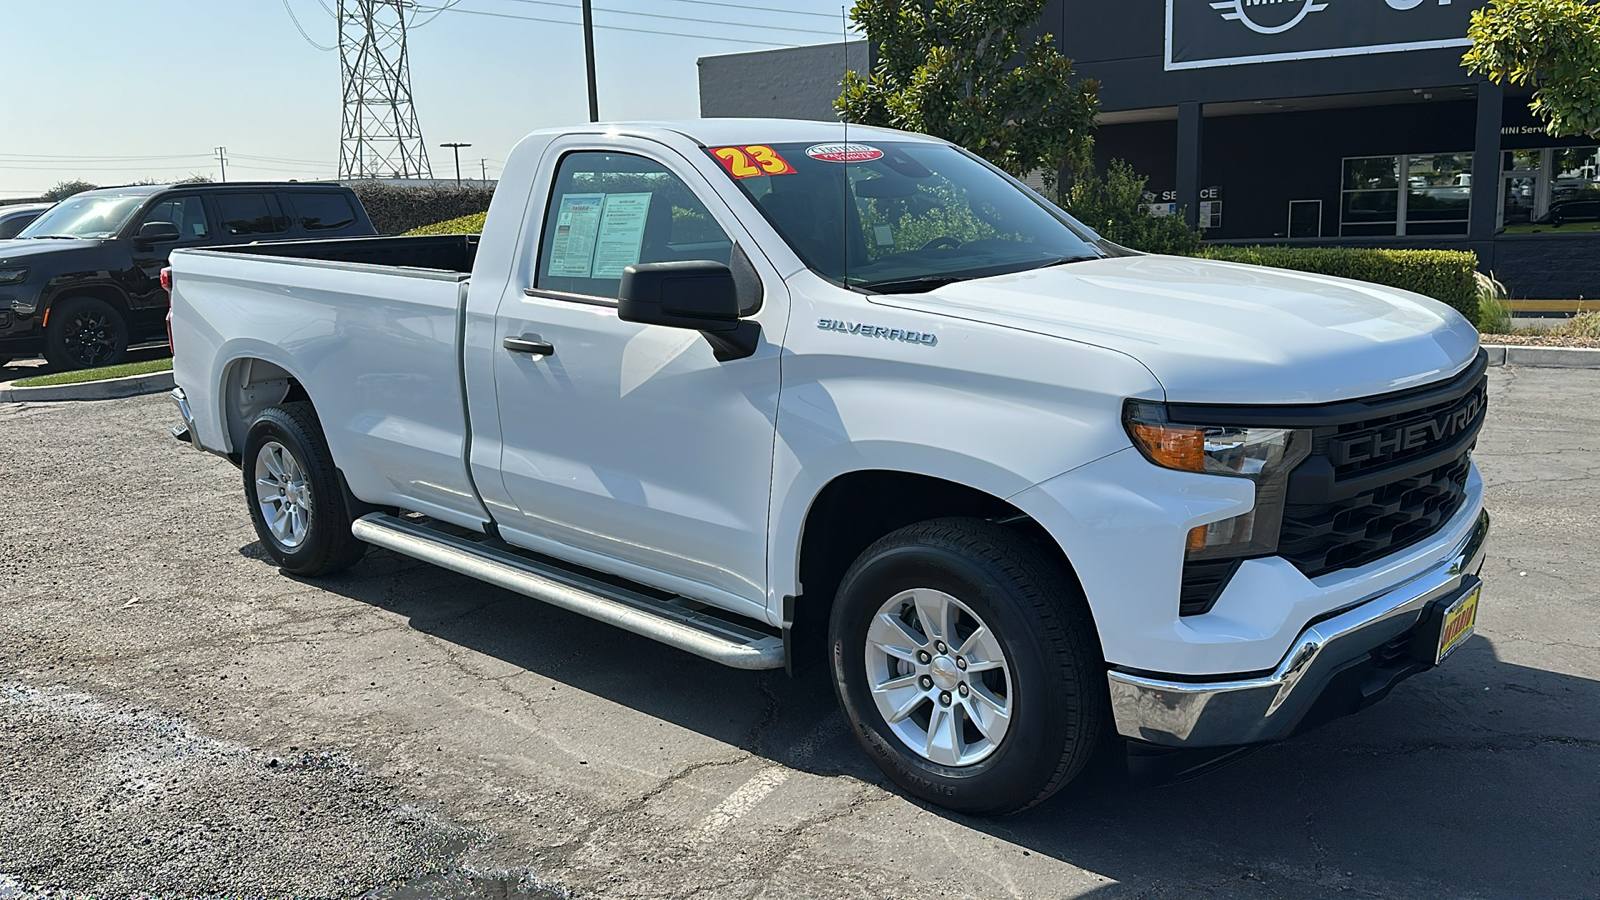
[1535, 357]
[111, 388]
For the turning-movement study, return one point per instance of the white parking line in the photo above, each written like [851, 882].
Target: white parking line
[742, 800]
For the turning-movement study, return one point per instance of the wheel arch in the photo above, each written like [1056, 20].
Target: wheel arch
[855, 509]
[246, 386]
[60, 292]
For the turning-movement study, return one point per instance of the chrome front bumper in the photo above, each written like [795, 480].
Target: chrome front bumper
[1271, 707]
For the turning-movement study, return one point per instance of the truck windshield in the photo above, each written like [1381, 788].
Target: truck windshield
[917, 215]
[85, 216]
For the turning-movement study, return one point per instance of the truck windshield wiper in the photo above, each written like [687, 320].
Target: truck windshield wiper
[54, 237]
[919, 285]
[1066, 260]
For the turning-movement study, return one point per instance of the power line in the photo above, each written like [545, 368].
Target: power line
[629, 12]
[705, 37]
[746, 6]
[444, 9]
[297, 27]
[45, 157]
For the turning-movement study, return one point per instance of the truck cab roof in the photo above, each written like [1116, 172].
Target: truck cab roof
[723, 132]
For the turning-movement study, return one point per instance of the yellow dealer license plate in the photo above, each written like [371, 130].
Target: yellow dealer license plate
[1459, 621]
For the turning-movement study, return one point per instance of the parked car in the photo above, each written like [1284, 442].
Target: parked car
[777, 399]
[16, 217]
[80, 283]
[1582, 209]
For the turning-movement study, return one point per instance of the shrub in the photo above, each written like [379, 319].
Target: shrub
[1449, 276]
[1113, 205]
[66, 189]
[472, 224]
[396, 209]
[1584, 325]
[1494, 317]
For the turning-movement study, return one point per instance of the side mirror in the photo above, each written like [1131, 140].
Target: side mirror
[158, 233]
[697, 294]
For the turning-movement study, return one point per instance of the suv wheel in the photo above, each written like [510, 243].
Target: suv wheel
[967, 664]
[296, 502]
[85, 333]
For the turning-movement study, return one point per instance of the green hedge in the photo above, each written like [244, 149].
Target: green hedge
[1448, 276]
[472, 224]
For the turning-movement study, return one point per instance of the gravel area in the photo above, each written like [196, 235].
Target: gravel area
[180, 719]
[1540, 340]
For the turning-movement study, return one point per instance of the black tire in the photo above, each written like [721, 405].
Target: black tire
[325, 544]
[85, 333]
[1056, 687]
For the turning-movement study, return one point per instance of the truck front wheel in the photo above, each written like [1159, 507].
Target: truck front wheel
[966, 661]
[293, 491]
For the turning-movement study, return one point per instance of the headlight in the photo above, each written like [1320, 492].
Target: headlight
[13, 276]
[1263, 455]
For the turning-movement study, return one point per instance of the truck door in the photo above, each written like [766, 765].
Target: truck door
[630, 448]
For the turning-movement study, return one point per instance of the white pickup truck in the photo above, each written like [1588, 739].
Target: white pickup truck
[774, 393]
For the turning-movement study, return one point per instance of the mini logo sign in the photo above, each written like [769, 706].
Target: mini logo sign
[1268, 16]
[844, 153]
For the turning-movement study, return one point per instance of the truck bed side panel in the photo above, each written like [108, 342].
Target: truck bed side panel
[377, 352]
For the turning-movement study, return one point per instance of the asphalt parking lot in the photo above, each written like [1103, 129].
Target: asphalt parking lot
[177, 718]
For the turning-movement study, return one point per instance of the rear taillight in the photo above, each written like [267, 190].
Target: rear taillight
[166, 279]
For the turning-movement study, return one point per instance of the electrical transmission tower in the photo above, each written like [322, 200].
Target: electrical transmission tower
[381, 136]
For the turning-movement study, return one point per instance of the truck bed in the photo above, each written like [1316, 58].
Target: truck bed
[437, 252]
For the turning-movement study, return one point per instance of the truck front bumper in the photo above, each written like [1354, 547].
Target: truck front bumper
[1338, 665]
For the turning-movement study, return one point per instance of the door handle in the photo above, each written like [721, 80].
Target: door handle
[531, 344]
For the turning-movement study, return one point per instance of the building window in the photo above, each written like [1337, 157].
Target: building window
[1556, 189]
[1435, 196]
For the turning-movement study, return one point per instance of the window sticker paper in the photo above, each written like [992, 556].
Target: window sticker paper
[621, 233]
[577, 225]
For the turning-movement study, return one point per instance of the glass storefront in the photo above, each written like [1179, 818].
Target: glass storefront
[1435, 197]
[1550, 190]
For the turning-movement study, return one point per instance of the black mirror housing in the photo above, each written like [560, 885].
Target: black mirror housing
[698, 294]
[158, 233]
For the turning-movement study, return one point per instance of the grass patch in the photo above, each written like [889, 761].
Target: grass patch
[79, 376]
[472, 224]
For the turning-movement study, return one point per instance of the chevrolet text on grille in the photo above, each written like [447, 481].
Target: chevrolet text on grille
[877, 331]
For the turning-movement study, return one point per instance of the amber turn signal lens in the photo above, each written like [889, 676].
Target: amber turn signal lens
[1173, 446]
[1197, 539]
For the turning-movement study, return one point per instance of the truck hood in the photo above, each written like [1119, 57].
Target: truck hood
[19, 250]
[1214, 332]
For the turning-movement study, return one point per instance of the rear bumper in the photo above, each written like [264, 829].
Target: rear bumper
[184, 432]
[1336, 666]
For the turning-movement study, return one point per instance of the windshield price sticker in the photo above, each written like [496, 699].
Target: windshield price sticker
[751, 160]
[844, 153]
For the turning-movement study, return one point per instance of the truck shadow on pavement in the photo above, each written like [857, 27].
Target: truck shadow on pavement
[1474, 779]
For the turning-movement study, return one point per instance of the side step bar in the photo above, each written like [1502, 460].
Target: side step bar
[673, 621]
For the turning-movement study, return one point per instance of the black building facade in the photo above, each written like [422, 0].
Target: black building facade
[1320, 122]
[1337, 122]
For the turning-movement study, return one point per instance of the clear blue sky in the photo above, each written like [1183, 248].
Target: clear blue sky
[91, 83]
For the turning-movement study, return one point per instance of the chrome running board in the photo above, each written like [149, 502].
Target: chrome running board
[674, 621]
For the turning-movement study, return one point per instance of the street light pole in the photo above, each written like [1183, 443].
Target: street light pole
[456, 146]
[588, 59]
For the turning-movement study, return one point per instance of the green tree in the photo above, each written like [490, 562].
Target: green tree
[66, 189]
[1113, 205]
[957, 69]
[1551, 45]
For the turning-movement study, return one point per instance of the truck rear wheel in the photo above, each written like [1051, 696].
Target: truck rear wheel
[296, 502]
[967, 664]
[85, 333]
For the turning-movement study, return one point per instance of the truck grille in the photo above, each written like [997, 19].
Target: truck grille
[1321, 538]
[1384, 473]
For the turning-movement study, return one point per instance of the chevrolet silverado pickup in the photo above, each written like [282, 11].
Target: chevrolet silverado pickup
[779, 392]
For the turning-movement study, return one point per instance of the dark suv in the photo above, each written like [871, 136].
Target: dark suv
[82, 282]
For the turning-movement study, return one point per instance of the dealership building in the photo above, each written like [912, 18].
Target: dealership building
[1315, 122]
